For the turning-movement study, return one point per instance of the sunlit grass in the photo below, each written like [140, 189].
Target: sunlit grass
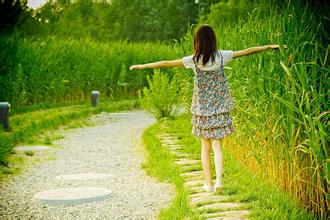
[281, 114]
[161, 164]
[56, 70]
[263, 198]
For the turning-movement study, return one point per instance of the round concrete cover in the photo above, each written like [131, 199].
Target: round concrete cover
[69, 196]
[84, 176]
[28, 148]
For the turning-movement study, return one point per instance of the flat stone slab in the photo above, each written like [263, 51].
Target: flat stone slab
[165, 136]
[191, 183]
[179, 154]
[190, 168]
[226, 218]
[169, 141]
[29, 148]
[221, 205]
[173, 148]
[69, 196]
[194, 174]
[184, 162]
[209, 199]
[201, 194]
[234, 214]
[172, 145]
[84, 176]
[197, 189]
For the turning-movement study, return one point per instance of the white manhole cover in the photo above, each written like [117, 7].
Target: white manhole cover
[28, 148]
[68, 196]
[84, 176]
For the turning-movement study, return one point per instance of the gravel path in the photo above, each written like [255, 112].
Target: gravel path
[111, 147]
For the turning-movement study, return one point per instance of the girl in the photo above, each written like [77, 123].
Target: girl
[211, 103]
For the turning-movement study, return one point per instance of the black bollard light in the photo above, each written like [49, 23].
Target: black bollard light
[4, 114]
[95, 98]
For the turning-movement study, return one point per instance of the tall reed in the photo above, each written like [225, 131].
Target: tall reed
[54, 70]
[281, 96]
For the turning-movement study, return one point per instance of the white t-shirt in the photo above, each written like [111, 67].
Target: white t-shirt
[227, 56]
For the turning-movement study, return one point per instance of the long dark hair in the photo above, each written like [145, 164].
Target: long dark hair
[205, 43]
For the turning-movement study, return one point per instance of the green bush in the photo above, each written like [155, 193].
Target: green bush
[161, 96]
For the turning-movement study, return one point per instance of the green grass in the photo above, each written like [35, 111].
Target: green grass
[161, 164]
[266, 201]
[72, 68]
[38, 127]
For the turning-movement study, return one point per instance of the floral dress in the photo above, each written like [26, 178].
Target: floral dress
[211, 104]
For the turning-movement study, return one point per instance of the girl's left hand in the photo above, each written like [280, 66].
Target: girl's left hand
[274, 46]
[136, 67]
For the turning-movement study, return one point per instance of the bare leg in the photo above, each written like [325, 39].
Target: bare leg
[206, 163]
[218, 159]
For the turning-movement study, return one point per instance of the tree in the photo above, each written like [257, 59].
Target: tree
[10, 12]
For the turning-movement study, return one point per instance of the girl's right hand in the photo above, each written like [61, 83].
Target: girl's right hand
[136, 67]
[274, 46]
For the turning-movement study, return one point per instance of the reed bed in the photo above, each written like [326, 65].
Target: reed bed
[55, 70]
[281, 115]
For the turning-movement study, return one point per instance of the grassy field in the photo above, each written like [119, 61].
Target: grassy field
[266, 200]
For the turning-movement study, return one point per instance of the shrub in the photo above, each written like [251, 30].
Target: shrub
[161, 96]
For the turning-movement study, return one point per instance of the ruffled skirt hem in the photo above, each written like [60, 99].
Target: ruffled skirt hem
[213, 133]
[212, 127]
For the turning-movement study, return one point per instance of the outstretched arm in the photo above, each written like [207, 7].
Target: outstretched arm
[159, 64]
[253, 50]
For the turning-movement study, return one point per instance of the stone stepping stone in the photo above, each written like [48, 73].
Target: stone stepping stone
[84, 176]
[221, 205]
[191, 183]
[32, 148]
[225, 218]
[169, 141]
[69, 196]
[202, 194]
[194, 174]
[172, 145]
[194, 182]
[209, 199]
[179, 154]
[233, 214]
[174, 148]
[196, 189]
[190, 168]
[165, 136]
[188, 162]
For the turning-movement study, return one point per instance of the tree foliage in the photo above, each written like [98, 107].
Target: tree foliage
[10, 11]
[122, 19]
